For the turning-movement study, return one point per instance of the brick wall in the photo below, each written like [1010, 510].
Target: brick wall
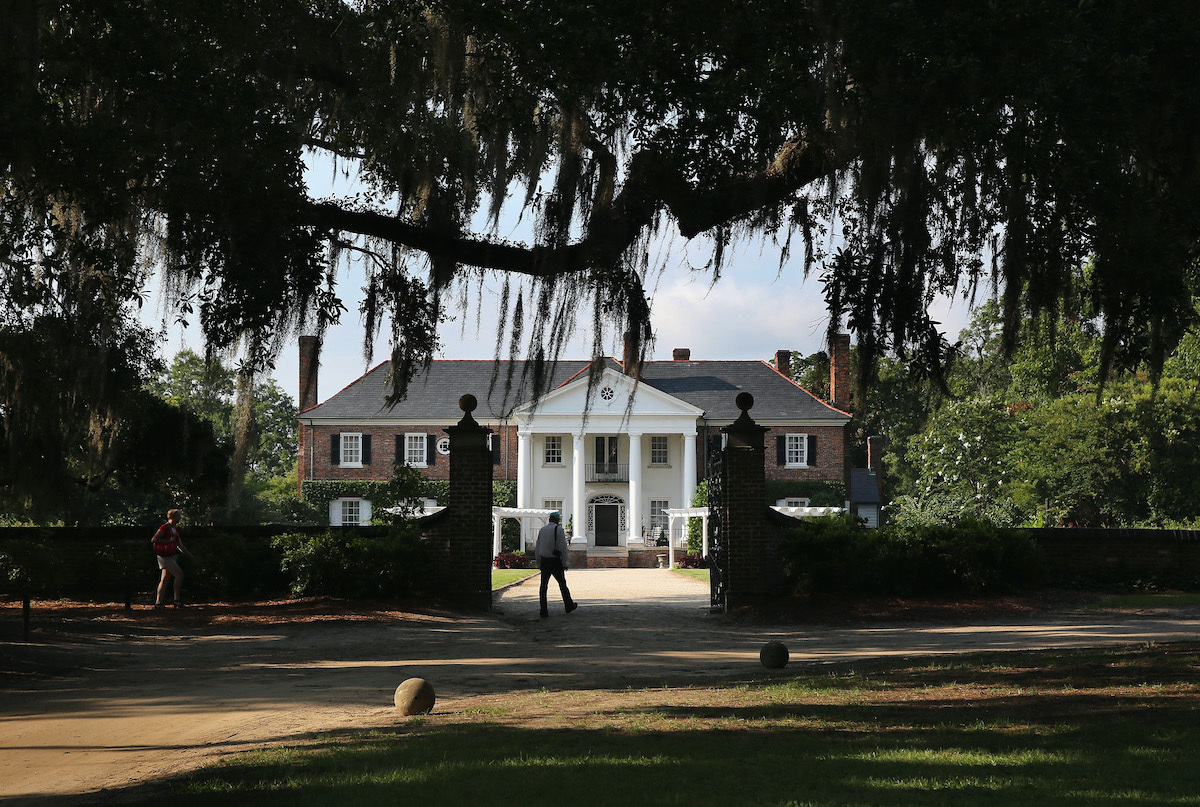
[383, 452]
[833, 456]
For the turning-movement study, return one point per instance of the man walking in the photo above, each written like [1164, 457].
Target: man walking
[552, 554]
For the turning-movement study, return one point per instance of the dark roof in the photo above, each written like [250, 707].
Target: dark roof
[864, 486]
[434, 392]
[500, 387]
[714, 386]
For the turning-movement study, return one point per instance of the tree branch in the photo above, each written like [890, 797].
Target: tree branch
[650, 186]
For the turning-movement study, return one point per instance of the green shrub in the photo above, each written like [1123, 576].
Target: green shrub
[514, 560]
[692, 561]
[835, 555]
[79, 568]
[233, 566]
[344, 563]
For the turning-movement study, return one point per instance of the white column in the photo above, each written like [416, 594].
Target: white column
[496, 521]
[704, 534]
[635, 486]
[578, 513]
[524, 468]
[689, 469]
[671, 540]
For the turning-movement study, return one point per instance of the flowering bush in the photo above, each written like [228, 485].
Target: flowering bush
[514, 560]
[696, 561]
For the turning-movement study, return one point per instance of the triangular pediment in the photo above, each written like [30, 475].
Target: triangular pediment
[613, 398]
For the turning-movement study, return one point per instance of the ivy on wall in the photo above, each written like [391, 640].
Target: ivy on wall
[820, 493]
[320, 492]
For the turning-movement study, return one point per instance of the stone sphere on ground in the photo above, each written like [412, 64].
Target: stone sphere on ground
[774, 655]
[415, 697]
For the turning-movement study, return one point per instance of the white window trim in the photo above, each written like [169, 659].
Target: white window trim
[357, 437]
[546, 461]
[553, 504]
[666, 463]
[409, 439]
[787, 450]
[335, 511]
[787, 502]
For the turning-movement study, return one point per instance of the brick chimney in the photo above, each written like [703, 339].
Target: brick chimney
[310, 354]
[875, 454]
[783, 362]
[681, 354]
[839, 371]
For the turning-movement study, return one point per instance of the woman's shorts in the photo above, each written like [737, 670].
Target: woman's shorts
[171, 564]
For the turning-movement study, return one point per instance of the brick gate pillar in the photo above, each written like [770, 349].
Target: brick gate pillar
[743, 505]
[468, 573]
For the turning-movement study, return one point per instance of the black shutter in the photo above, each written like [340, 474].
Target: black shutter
[431, 449]
[335, 449]
[366, 449]
[781, 450]
[812, 450]
[399, 449]
[495, 438]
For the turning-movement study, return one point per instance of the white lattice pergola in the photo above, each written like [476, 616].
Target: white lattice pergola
[701, 513]
[528, 516]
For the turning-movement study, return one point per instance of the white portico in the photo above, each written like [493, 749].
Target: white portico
[613, 457]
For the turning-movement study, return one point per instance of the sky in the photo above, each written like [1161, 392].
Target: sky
[755, 309]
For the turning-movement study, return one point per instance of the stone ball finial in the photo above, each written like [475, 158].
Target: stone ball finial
[467, 403]
[744, 401]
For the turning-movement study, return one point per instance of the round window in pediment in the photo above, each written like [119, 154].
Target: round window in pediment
[607, 393]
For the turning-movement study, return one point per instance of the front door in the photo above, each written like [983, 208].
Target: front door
[606, 524]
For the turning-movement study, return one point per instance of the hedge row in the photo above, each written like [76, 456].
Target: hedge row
[835, 555]
[350, 563]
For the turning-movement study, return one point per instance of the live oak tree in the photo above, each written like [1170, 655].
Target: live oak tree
[906, 149]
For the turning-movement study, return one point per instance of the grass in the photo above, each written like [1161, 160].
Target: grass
[695, 574]
[1095, 727]
[1145, 600]
[504, 577]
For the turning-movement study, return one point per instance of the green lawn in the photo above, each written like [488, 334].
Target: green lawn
[1148, 601]
[697, 574]
[1101, 727]
[503, 577]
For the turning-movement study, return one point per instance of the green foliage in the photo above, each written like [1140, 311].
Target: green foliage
[206, 389]
[515, 560]
[233, 566]
[318, 493]
[75, 567]
[835, 555]
[939, 138]
[695, 529]
[819, 492]
[345, 563]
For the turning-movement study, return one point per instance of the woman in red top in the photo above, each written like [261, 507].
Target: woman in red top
[167, 545]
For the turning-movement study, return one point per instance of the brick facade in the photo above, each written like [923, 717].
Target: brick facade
[384, 440]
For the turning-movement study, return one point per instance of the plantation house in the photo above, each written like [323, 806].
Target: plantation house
[614, 450]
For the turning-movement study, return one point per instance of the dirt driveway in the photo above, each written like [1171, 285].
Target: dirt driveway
[101, 699]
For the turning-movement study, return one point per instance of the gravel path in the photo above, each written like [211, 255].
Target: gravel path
[134, 698]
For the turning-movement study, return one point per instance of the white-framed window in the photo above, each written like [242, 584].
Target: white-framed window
[659, 453]
[797, 450]
[554, 449]
[414, 450]
[443, 445]
[351, 449]
[349, 511]
[792, 502]
[553, 504]
[658, 514]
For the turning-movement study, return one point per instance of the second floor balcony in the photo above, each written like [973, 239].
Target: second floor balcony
[607, 472]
